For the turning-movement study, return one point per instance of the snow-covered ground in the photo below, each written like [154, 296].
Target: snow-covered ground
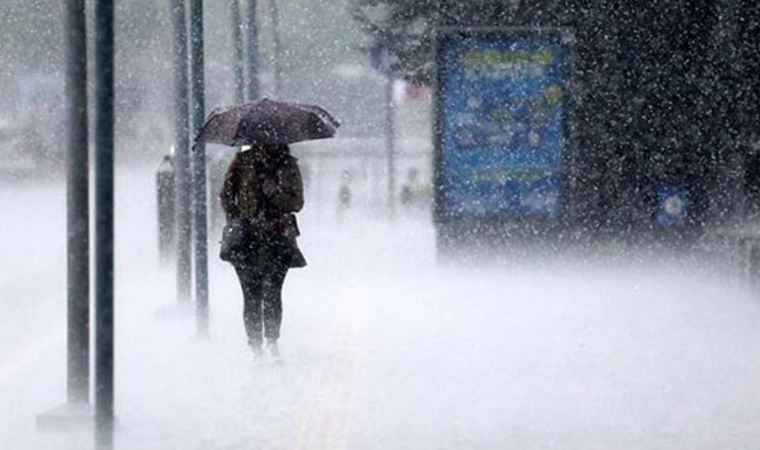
[383, 348]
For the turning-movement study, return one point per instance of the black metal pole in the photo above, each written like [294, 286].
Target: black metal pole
[238, 67]
[200, 224]
[183, 182]
[275, 15]
[104, 232]
[252, 51]
[77, 208]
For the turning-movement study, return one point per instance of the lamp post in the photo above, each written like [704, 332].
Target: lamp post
[77, 208]
[252, 50]
[274, 12]
[182, 148]
[104, 223]
[200, 224]
[238, 68]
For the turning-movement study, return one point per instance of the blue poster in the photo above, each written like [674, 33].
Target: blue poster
[501, 124]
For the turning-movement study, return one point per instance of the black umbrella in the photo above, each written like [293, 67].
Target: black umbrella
[266, 121]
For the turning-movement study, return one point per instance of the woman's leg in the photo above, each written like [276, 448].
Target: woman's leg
[251, 283]
[272, 299]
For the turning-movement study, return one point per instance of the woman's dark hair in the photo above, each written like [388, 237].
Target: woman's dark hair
[270, 149]
[283, 148]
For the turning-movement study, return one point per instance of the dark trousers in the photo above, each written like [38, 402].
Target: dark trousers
[262, 301]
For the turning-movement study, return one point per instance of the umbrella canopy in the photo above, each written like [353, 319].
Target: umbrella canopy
[266, 121]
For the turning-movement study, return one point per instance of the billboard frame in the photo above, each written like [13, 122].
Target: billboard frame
[449, 226]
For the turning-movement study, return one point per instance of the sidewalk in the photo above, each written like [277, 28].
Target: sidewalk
[176, 390]
[383, 349]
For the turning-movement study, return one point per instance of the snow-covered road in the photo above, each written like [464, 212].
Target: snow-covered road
[382, 348]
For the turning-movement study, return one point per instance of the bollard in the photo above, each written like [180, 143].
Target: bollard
[166, 215]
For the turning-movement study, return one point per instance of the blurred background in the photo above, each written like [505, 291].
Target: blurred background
[660, 93]
[323, 61]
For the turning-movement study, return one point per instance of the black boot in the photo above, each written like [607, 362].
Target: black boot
[258, 351]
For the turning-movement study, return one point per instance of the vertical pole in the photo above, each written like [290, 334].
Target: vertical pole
[199, 168]
[252, 51]
[722, 114]
[275, 15]
[238, 68]
[77, 208]
[390, 143]
[104, 233]
[733, 165]
[183, 181]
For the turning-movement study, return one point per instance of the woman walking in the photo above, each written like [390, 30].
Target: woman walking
[262, 191]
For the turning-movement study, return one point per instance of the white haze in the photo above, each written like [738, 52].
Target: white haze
[383, 347]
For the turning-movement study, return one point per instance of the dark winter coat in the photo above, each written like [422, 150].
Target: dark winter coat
[264, 188]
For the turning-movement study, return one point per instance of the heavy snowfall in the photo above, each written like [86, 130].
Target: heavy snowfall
[632, 323]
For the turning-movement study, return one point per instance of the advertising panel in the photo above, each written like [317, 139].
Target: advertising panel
[500, 125]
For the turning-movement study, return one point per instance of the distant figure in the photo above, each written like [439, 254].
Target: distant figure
[415, 193]
[410, 190]
[344, 192]
[263, 189]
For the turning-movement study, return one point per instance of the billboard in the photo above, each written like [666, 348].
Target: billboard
[500, 131]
